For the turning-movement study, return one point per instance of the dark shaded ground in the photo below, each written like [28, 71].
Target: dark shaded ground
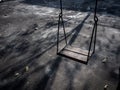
[113, 7]
[28, 59]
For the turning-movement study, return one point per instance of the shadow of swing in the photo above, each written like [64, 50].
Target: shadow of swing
[46, 82]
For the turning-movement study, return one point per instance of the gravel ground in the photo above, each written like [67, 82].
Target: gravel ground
[28, 59]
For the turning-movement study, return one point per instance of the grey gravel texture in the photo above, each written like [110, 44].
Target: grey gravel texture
[28, 59]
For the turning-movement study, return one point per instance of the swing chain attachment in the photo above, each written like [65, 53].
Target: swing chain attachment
[62, 22]
[94, 31]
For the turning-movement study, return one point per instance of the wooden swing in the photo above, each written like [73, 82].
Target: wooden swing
[73, 52]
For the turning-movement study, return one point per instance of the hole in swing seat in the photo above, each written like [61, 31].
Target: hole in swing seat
[75, 53]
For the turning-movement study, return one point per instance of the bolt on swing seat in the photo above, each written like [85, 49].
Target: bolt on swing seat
[76, 53]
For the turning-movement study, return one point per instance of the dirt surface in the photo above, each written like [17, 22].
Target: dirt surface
[28, 59]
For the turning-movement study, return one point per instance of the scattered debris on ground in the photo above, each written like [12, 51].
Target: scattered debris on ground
[28, 60]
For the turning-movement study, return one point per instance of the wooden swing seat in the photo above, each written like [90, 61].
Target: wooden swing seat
[74, 53]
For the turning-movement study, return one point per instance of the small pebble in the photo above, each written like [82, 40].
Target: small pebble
[17, 74]
[36, 28]
[105, 87]
[26, 68]
[104, 60]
